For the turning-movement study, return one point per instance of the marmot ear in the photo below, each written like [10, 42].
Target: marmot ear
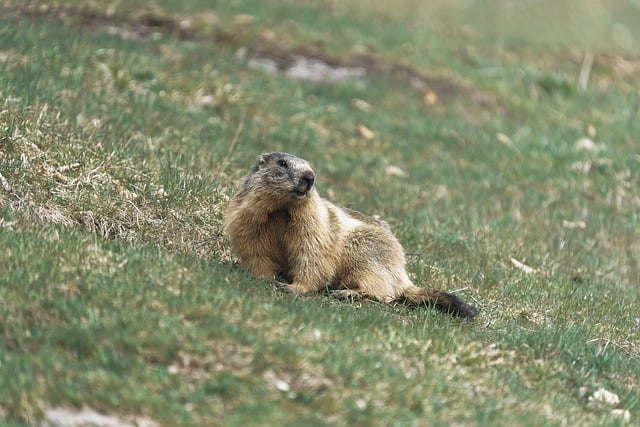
[262, 159]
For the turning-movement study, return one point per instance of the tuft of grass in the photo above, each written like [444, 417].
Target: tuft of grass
[125, 127]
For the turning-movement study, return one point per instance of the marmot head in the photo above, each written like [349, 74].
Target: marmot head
[284, 175]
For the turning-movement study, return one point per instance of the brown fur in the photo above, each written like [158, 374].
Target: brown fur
[279, 226]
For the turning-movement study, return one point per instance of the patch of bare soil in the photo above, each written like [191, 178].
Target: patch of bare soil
[294, 61]
[58, 417]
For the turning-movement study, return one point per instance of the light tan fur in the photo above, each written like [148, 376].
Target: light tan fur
[279, 227]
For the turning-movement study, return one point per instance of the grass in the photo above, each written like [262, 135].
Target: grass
[124, 129]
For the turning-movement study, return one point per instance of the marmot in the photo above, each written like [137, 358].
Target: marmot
[280, 228]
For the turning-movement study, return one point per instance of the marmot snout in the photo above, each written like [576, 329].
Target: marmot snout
[305, 183]
[316, 244]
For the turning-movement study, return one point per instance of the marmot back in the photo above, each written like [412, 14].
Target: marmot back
[279, 227]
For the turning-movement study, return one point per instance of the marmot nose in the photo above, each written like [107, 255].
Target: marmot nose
[306, 181]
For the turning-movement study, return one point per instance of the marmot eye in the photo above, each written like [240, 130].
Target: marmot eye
[283, 164]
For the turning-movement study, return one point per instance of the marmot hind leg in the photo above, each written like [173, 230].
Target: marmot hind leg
[372, 283]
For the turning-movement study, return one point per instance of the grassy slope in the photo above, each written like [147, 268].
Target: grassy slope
[115, 152]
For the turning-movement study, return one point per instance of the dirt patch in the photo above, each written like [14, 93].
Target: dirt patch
[304, 62]
[58, 417]
[140, 23]
[288, 61]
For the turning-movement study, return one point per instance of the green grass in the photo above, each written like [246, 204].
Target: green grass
[122, 137]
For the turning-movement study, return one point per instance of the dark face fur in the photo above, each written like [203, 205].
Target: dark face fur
[287, 173]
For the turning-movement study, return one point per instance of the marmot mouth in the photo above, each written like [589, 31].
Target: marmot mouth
[305, 184]
[300, 194]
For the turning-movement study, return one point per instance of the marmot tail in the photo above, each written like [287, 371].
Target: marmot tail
[443, 301]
